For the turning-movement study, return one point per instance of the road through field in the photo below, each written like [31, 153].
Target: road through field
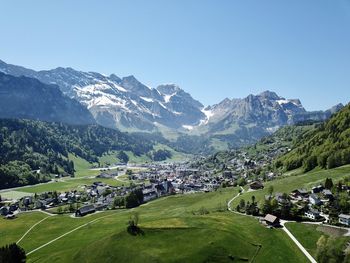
[300, 246]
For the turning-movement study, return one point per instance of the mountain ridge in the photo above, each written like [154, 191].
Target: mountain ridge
[127, 104]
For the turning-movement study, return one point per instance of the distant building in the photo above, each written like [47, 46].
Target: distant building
[313, 214]
[149, 194]
[85, 210]
[317, 189]
[271, 220]
[327, 193]
[300, 193]
[256, 185]
[313, 199]
[344, 219]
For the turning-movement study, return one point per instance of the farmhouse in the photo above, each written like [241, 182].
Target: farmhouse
[300, 193]
[344, 219]
[82, 211]
[271, 220]
[149, 194]
[256, 185]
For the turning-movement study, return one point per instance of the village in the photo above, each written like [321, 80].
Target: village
[151, 182]
[325, 203]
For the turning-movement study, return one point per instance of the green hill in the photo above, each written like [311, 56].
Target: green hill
[327, 146]
[172, 232]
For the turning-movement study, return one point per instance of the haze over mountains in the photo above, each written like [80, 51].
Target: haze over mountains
[127, 104]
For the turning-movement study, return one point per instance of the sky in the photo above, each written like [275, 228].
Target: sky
[211, 49]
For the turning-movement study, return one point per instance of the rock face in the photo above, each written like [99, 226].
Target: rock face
[127, 104]
[122, 103]
[28, 98]
[242, 121]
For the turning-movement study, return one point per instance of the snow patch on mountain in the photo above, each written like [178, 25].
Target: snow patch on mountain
[188, 127]
[147, 99]
[168, 97]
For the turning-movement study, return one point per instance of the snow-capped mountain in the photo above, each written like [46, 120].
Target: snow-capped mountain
[266, 108]
[128, 104]
[121, 102]
[241, 121]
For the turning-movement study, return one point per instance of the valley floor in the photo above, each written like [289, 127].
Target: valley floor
[180, 228]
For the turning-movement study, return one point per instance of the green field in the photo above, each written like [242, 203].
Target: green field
[13, 194]
[292, 182]
[171, 226]
[68, 184]
[173, 232]
[82, 167]
[111, 157]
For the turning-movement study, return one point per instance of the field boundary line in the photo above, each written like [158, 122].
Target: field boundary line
[67, 233]
[27, 232]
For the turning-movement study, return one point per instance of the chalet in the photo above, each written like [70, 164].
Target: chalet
[344, 219]
[42, 204]
[300, 193]
[256, 185]
[317, 189]
[85, 210]
[313, 214]
[271, 220]
[101, 206]
[27, 200]
[149, 194]
[328, 194]
[4, 210]
[314, 200]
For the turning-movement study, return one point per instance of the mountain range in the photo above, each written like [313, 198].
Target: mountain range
[127, 104]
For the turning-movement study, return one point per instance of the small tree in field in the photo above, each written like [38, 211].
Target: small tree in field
[12, 254]
[133, 227]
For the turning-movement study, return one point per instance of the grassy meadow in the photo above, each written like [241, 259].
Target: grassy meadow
[170, 226]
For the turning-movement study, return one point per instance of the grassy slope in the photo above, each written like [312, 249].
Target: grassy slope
[12, 230]
[308, 234]
[169, 227]
[67, 184]
[110, 158]
[82, 167]
[288, 184]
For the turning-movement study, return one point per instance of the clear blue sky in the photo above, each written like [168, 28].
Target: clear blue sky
[212, 49]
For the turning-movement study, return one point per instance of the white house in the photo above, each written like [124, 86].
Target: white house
[313, 199]
[312, 214]
[344, 219]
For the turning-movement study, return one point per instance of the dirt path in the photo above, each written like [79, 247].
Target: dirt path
[30, 229]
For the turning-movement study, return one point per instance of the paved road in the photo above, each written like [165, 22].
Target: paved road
[300, 246]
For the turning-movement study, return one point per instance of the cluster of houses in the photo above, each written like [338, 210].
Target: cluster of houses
[316, 204]
[317, 199]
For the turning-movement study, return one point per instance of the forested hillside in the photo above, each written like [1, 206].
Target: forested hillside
[265, 150]
[327, 146]
[27, 145]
